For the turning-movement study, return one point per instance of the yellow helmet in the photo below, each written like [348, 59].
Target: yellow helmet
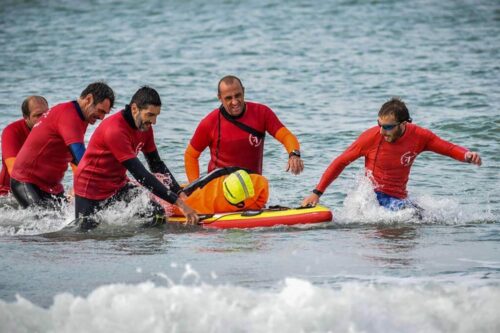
[237, 187]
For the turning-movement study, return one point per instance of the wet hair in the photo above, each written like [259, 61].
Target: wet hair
[397, 108]
[229, 79]
[25, 107]
[144, 97]
[99, 91]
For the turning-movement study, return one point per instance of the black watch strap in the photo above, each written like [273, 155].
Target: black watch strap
[317, 192]
[294, 153]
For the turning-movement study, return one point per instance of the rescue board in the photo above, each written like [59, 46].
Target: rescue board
[263, 218]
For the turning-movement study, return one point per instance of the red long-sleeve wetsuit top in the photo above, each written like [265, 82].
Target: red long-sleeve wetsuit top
[45, 155]
[388, 163]
[13, 137]
[101, 173]
[230, 145]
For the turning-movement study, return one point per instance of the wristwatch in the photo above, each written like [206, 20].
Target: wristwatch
[294, 153]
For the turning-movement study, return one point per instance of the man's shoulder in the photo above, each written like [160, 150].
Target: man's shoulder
[419, 130]
[113, 125]
[61, 107]
[368, 137]
[59, 112]
[15, 126]
[211, 116]
[14, 132]
[259, 107]
[370, 132]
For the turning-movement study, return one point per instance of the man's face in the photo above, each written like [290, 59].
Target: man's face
[37, 108]
[232, 97]
[396, 129]
[94, 112]
[145, 118]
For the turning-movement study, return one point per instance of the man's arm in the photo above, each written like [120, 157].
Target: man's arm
[446, 148]
[334, 170]
[11, 145]
[156, 165]
[146, 179]
[292, 146]
[191, 163]
[9, 163]
[77, 150]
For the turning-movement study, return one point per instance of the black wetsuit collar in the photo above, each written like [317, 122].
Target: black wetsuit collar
[127, 115]
[78, 110]
[223, 110]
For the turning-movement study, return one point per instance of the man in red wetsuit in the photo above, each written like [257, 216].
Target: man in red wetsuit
[101, 180]
[235, 132]
[389, 150]
[14, 135]
[56, 140]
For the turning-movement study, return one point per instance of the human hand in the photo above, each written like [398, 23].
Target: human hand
[183, 196]
[311, 200]
[71, 195]
[295, 165]
[473, 157]
[189, 213]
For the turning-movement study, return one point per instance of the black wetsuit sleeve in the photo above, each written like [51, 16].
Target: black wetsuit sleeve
[156, 165]
[202, 181]
[146, 179]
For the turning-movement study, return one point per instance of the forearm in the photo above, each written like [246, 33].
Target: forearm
[287, 139]
[191, 163]
[334, 170]
[446, 148]
[156, 165]
[146, 179]
[9, 163]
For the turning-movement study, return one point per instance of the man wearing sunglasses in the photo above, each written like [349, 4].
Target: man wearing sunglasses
[389, 150]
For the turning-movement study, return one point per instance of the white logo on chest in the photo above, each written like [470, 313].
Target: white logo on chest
[408, 158]
[254, 141]
[138, 148]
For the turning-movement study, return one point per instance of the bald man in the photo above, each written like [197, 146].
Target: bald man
[16, 133]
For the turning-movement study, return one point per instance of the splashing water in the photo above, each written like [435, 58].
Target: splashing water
[33, 221]
[361, 207]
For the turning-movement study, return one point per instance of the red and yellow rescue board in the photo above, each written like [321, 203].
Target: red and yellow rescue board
[263, 218]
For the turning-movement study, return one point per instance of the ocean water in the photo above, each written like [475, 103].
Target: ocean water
[325, 68]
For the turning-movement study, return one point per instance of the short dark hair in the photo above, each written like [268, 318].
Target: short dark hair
[99, 91]
[146, 96]
[25, 107]
[229, 79]
[397, 108]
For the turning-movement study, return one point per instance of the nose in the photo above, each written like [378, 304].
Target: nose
[153, 121]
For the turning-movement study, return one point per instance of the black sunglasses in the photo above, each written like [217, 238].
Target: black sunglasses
[387, 127]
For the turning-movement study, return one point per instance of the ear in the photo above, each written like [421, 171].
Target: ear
[89, 99]
[135, 109]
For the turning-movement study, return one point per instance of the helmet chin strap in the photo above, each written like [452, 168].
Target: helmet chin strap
[239, 204]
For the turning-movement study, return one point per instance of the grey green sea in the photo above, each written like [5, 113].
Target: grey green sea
[325, 68]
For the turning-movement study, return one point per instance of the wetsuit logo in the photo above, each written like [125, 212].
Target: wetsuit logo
[408, 158]
[138, 148]
[42, 118]
[254, 141]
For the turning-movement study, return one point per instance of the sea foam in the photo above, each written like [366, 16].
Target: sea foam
[298, 306]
